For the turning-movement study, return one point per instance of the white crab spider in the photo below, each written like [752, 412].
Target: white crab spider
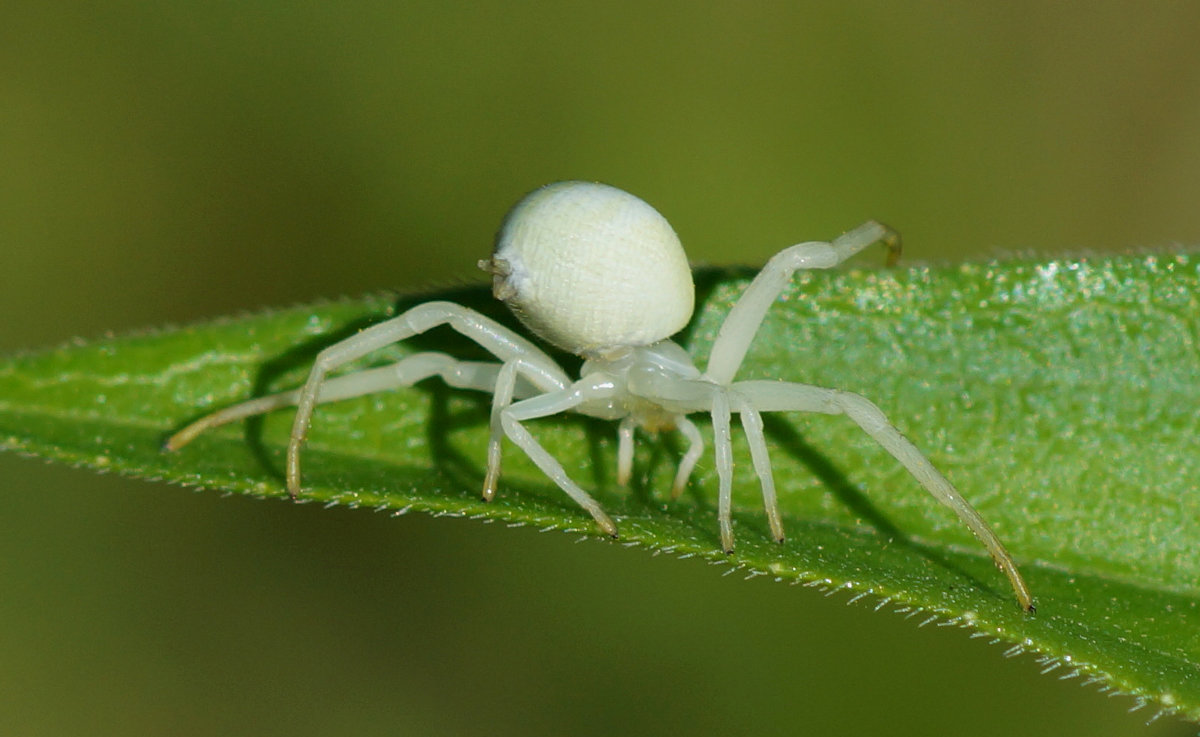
[598, 272]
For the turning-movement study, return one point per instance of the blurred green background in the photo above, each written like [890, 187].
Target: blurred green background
[169, 162]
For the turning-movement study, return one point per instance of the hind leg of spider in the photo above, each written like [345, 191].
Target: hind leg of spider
[490, 335]
[411, 369]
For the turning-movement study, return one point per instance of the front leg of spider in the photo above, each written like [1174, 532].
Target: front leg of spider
[729, 350]
[733, 340]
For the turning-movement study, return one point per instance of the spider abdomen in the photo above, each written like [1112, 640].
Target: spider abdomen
[591, 268]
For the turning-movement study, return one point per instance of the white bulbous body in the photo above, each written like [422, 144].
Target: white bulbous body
[591, 269]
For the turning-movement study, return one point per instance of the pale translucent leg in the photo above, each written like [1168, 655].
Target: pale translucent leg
[495, 338]
[753, 425]
[625, 434]
[684, 395]
[688, 462]
[773, 396]
[407, 371]
[736, 333]
[505, 386]
[723, 448]
[544, 405]
[625, 450]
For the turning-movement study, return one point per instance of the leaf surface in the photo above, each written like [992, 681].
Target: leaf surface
[1060, 396]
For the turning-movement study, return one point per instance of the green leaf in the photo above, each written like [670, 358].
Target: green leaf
[1061, 397]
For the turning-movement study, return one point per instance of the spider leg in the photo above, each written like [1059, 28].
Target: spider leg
[405, 372]
[495, 338]
[543, 373]
[688, 462]
[723, 448]
[681, 395]
[504, 388]
[592, 387]
[625, 433]
[735, 334]
[625, 450]
[753, 425]
[774, 396]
